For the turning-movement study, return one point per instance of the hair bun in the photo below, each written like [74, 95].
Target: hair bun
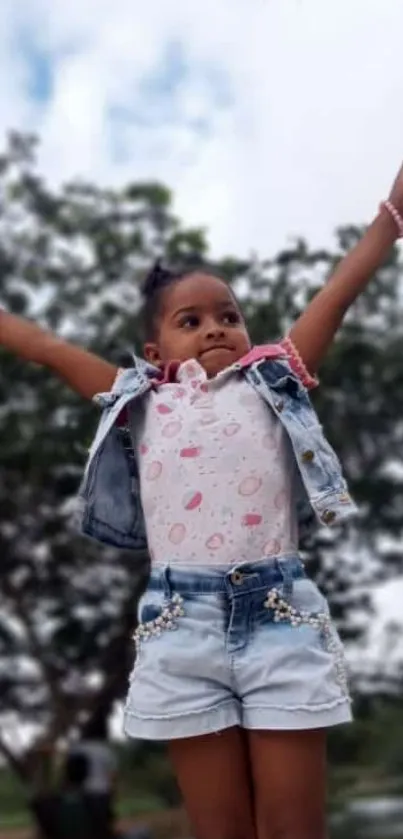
[156, 278]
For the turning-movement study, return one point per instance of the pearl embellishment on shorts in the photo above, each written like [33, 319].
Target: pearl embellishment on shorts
[283, 611]
[166, 620]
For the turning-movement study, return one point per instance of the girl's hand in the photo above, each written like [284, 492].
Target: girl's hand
[396, 193]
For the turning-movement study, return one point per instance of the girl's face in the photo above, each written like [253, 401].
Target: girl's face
[199, 319]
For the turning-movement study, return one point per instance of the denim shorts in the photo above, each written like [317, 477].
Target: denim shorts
[252, 646]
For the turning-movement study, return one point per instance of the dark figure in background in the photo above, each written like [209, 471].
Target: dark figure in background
[69, 814]
[100, 780]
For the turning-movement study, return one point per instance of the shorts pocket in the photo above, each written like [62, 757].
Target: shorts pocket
[156, 614]
[307, 606]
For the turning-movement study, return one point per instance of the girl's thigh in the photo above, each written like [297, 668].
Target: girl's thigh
[213, 772]
[288, 771]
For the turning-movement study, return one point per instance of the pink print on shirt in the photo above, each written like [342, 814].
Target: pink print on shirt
[215, 542]
[191, 451]
[251, 519]
[171, 429]
[250, 485]
[177, 534]
[192, 500]
[153, 470]
[216, 476]
[231, 429]
[163, 409]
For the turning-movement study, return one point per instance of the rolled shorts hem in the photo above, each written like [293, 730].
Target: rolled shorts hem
[225, 715]
[297, 718]
[228, 715]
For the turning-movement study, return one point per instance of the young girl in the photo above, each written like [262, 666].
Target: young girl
[209, 455]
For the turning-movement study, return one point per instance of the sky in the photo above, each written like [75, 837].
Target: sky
[267, 118]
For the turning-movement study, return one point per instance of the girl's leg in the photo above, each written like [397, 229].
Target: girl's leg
[213, 773]
[289, 781]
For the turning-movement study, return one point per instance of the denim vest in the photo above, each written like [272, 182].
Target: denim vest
[109, 503]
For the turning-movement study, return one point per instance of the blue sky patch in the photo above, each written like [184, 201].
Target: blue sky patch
[167, 77]
[175, 69]
[157, 99]
[39, 68]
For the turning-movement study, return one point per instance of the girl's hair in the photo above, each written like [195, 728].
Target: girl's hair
[157, 280]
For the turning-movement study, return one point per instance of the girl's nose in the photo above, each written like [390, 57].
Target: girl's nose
[214, 330]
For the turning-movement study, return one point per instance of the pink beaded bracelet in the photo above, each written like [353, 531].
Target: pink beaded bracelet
[397, 218]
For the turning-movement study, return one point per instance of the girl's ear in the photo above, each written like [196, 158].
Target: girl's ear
[151, 354]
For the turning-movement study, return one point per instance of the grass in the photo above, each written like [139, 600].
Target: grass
[13, 811]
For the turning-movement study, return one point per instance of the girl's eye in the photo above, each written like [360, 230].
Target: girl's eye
[189, 322]
[231, 317]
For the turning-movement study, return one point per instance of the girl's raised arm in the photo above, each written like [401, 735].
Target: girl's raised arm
[313, 332]
[83, 371]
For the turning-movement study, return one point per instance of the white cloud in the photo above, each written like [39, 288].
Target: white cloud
[307, 137]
